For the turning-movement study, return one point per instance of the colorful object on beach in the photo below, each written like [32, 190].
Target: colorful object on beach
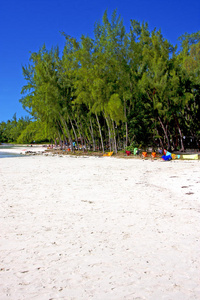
[144, 154]
[168, 153]
[128, 153]
[108, 154]
[173, 156]
[166, 157]
[165, 152]
[190, 156]
[135, 151]
[153, 154]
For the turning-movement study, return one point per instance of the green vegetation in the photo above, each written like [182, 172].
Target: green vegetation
[111, 91]
[11, 130]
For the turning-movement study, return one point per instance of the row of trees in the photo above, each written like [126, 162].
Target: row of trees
[11, 130]
[23, 130]
[116, 89]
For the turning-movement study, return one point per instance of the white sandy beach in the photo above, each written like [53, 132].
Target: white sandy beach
[99, 228]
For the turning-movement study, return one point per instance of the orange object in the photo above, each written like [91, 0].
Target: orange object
[108, 154]
[144, 154]
[174, 156]
[153, 154]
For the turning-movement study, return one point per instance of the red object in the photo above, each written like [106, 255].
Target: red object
[128, 153]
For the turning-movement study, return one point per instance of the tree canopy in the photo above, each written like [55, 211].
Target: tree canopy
[113, 89]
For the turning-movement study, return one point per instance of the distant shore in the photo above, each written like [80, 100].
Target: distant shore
[23, 149]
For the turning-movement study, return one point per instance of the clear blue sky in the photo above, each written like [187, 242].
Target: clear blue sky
[25, 25]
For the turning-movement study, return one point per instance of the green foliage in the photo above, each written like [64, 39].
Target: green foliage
[10, 131]
[118, 88]
[132, 147]
[115, 108]
[34, 132]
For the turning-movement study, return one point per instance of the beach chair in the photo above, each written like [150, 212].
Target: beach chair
[153, 155]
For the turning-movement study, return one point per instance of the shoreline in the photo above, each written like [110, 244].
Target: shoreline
[23, 149]
[44, 150]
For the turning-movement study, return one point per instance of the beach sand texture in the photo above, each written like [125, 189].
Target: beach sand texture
[99, 228]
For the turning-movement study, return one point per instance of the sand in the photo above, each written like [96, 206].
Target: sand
[99, 228]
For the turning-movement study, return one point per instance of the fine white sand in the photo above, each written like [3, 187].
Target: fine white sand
[99, 228]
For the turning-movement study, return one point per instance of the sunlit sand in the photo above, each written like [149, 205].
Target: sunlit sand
[99, 228]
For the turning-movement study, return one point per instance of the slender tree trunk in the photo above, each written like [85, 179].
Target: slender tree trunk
[100, 132]
[109, 133]
[161, 143]
[92, 134]
[114, 137]
[64, 136]
[165, 132]
[126, 124]
[59, 136]
[181, 135]
[74, 131]
[68, 132]
[82, 132]
[79, 132]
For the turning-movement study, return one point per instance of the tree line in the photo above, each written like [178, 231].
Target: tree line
[115, 89]
[11, 130]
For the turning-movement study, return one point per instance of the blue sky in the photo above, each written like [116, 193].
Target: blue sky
[26, 25]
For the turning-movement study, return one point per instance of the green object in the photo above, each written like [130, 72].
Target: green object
[135, 151]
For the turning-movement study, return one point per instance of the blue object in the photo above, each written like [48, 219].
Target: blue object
[166, 157]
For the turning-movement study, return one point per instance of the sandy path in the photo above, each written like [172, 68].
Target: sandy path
[99, 228]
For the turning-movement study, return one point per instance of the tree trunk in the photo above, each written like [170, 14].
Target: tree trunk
[161, 143]
[64, 136]
[79, 132]
[180, 134]
[74, 131]
[100, 132]
[68, 132]
[165, 132]
[181, 137]
[83, 134]
[114, 138]
[126, 125]
[109, 134]
[92, 134]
